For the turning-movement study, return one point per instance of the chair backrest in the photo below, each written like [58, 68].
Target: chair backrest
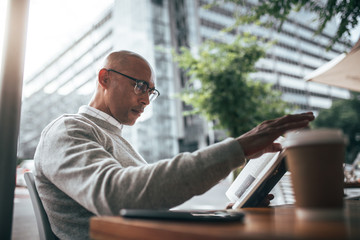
[42, 220]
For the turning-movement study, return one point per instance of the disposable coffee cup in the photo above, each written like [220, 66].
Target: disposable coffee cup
[315, 159]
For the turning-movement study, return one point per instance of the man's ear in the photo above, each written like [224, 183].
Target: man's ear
[103, 78]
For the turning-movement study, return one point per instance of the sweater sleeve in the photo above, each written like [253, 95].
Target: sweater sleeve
[75, 160]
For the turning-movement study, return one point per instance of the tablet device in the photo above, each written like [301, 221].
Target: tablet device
[263, 187]
[256, 180]
[190, 215]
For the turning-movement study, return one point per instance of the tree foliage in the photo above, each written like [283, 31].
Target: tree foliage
[220, 89]
[344, 114]
[276, 12]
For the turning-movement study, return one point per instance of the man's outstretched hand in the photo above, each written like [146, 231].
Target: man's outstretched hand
[261, 139]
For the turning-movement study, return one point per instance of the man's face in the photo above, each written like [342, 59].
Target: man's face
[122, 102]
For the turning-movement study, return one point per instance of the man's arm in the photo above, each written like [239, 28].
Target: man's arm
[78, 162]
[76, 158]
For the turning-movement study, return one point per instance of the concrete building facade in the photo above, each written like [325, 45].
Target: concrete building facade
[153, 28]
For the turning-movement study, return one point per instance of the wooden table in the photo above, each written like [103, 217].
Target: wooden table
[259, 223]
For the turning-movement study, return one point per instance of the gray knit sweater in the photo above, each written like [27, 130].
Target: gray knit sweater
[85, 168]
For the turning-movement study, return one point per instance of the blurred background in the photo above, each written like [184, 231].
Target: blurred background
[68, 40]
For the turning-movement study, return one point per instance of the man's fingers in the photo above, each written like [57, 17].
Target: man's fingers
[266, 201]
[229, 206]
[275, 147]
[291, 126]
[280, 125]
[293, 118]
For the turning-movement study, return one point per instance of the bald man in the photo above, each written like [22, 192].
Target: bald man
[115, 95]
[84, 167]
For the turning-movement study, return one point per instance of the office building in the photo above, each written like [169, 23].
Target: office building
[153, 28]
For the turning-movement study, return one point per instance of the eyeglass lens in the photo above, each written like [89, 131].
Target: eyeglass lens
[141, 88]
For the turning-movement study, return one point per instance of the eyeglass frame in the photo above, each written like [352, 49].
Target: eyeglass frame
[148, 89]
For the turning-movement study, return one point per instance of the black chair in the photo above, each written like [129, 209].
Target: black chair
[42, 220]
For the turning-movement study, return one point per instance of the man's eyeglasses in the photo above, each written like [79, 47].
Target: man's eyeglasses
[141, 86]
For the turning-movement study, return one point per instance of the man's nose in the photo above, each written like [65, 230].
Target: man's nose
[145, 99]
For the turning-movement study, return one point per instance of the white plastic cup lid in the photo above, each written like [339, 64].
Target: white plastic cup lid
[314, 136]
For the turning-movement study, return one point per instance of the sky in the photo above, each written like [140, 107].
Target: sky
[55, 24]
